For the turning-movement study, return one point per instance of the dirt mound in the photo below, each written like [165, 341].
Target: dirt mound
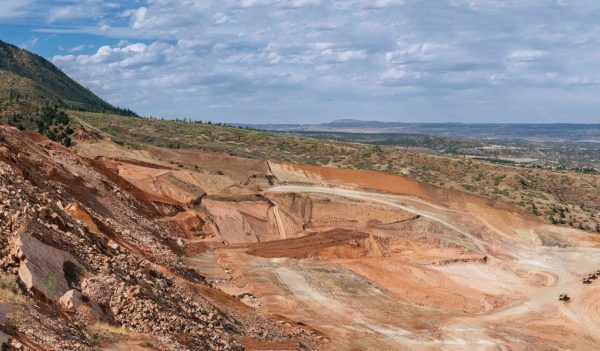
[318, 210]
[240, 170]
[299, 173]
[242, 221]
[188, 224]
[178, 185]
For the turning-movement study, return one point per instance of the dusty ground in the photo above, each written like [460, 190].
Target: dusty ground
[374, 261]
[358, 260]
[436, 276]
[441, 270]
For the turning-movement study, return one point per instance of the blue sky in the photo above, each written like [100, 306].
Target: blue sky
[304, 61]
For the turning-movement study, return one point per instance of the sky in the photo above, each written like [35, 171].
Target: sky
[310, 61]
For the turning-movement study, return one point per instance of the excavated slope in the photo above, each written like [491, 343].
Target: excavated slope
[340, 259]
[86, 262]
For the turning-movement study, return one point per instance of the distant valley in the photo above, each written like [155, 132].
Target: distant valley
[554, 146]
[560, 132]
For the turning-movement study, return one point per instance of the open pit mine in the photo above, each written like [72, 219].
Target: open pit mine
[108, 248]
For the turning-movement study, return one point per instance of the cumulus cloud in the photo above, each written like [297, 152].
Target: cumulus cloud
[221, 18]
[302, 3]
[175, 70]
[337, 55]
[383, 3]
[138, 17]
[326, 58]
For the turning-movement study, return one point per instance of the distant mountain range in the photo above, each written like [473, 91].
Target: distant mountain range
[558, 132]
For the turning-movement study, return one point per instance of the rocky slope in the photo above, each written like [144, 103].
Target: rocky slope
[87, 263]
[163, 249]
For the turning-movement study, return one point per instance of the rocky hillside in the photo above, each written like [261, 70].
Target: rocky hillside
[87, 263]
[28, 81]
[182, 249]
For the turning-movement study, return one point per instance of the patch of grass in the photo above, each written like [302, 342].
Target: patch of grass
[469, 187]
[10, 291]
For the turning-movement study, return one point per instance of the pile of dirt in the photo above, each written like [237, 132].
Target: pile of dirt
[182, 186]
[317, 211]
[237, 220]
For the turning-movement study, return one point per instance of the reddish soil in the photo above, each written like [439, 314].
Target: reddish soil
[341, 259]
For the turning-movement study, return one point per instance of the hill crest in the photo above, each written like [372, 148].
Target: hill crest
[28, 80]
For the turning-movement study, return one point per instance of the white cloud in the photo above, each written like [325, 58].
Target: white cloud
[138, 17]
[67, 12]
[415, 52]
[379, 4]
[333, 55]
[302, 3]
[221, 18]
[79, 9]
[77, 48]
[14, 8]
[582, 81]
[249, 3]
[394, 75]
[341, 56]
[525, 55]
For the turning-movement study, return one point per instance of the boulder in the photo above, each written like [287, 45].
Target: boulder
[73, 300]
[44, 269]
[70, 300]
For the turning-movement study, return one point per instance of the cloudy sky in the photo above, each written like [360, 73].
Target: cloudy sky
[300, 61]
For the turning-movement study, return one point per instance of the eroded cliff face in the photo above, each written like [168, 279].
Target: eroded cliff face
[88, 262]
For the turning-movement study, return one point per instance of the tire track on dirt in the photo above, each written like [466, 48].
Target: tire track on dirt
[361, 195]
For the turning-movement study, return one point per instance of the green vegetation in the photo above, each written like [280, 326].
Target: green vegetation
[28, 83]
[469, 187]
[220, 138]
[10, 291]
[55, 124]
[52, 122]
[578, 156]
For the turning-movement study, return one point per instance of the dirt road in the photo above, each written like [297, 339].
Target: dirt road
[382, 199]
